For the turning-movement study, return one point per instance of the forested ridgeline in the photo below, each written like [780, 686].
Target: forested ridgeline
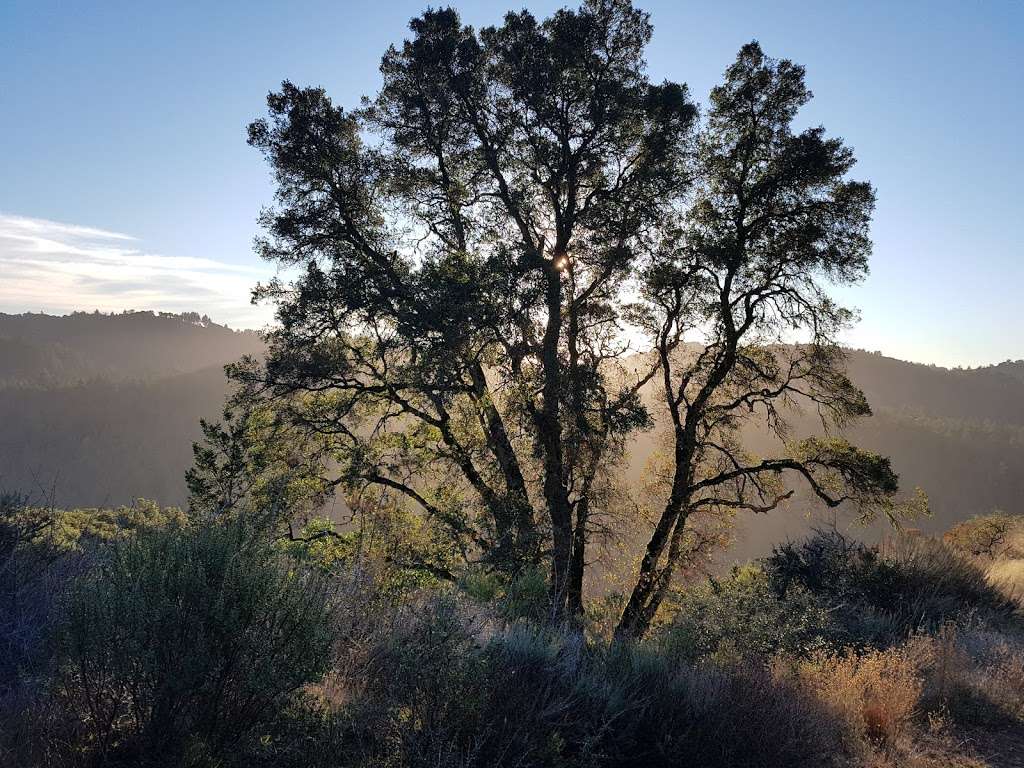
[103, 435]
[49, 351]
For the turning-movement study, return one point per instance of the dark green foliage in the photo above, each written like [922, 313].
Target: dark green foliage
[828, 592]
[42, 552]
[250, 463]
[31, 581]
[526, 597]
[741, 617]
[772, 221]
[521, 598]
[468, 247]
[881, 597]
[18, 570]
[184, 642]
[304, 734]
[462, 244]
[35, 575]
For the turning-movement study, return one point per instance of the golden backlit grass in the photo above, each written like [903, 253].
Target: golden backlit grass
[1008, 575]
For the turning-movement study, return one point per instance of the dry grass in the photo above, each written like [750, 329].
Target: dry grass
[919, 704]
[876, 694]
[1008, 576]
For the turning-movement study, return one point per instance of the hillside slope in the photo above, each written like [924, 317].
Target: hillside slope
[97, 409]
[957, 434]
[47, 350]
[104, 443]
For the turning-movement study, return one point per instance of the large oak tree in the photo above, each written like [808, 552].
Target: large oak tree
[471, 259]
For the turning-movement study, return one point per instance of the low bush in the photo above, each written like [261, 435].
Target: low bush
[182, 643]
[213, 645]
[919, 585]
[975, 677]
[914, 704]
[75, 528]
[1008, 577]
[741, 617]
[877, 694]
[448, 690]
[29, 585]
[303, 734]
[34, 576]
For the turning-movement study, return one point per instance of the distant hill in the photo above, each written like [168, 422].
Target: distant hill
[103, 443]
[992, 393]
[48, 350]
[1012, 368]
[100, 408]
[96, 409]
[956, 433]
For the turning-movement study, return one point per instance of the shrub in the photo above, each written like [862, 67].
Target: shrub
[527, 597]
[304, 734]
[1008, 577]
[522, 596]
[74, 528]
[988, 536]
[446, 691]
[26, 589]
[402, 551]
[877, 694]
[975, 677]
[880, 599]
[34, 576]
[185, 642]
[742, 617]
[442, 695]
[1000, 680]
[42, 551]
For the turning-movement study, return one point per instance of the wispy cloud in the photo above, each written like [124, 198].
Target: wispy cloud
[47, 266]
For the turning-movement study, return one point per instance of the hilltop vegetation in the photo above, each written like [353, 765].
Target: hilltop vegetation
[156, 639]
[47, 351]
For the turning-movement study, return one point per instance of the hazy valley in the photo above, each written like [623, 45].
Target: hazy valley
[100, 409]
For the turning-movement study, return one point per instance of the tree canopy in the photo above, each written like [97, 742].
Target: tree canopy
[489, 266]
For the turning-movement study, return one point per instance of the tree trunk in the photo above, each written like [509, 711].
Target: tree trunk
[517, 531]
[645, 598]
[577, 562]
[550, 433]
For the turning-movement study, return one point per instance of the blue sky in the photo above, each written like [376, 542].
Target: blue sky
[123, 158]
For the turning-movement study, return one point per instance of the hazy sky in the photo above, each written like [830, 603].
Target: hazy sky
[126, 182]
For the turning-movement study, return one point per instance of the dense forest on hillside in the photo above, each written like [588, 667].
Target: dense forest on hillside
[101, 408]
[117, 418]
[47, 351]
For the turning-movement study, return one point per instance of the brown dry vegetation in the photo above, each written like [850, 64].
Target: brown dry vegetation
[826, 654]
